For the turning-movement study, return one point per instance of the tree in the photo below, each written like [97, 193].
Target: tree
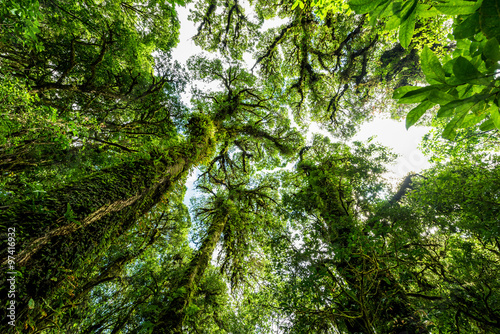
[326, 68]
[329, 263]
[465, 87]
[94, 211]
[95, 148]
[139, 119]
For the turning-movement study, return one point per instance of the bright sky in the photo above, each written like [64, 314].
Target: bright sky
[393, 134]
[388, 132]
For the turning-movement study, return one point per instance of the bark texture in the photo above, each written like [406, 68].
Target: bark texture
[70, 225]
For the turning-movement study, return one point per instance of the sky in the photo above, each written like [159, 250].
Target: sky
[387, 132]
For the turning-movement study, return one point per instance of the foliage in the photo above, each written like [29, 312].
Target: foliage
[465, 87]
[20, 23]
[282, 235]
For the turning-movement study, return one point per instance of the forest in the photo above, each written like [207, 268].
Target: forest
[284, 234]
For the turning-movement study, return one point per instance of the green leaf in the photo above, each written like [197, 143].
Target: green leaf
[364, 6]
[457, 7]
[490, 18]
[464, 71]
[431, 67]
[467, 28]
[424, 11]
[495, 115]
[471, 120]
[417, 112]
[491, 50]
[392, 23]
[487, 126]
[448, 109]
[449, 131]
[413, 94]
[401, 91]
[440, 97]
[406, 30]
[31, 303]
[408, 9]
[383, 10]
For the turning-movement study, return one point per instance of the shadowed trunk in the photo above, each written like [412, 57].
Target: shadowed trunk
[173, 316]
[56, 234]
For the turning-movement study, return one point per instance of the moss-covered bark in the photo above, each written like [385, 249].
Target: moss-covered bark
[376, 297]
[173, 316]
[70, 225]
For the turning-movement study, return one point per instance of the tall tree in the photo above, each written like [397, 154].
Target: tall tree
[68, 224]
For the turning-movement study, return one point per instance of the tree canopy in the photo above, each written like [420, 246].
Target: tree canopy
[283, 234]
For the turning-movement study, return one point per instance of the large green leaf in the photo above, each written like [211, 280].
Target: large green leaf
[471, 120]
[417, 112]
[392, 23]
[487, 125]
[491, 50]
[440, 97]
[495, 115]
[364, 6]
[401, 91]
[466, 28]
[449, 131]
[431, 67]
[414, 94]
[465, 72]
[383, 10]
[425, 10]
[409, 8]
[490, 18]
[457, 7]
[407, 28]
[450, 108]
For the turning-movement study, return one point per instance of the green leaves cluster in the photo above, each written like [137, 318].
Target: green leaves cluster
[20, 23]
[465, 87]
[405, 14]
[96, 145]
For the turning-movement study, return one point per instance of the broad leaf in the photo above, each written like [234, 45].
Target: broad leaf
[383, 10]
[417, 112]
[487, 126]
[392, 23]
[495, 115]
[491, 50]
[449, 131]
[440, 97]
[471, 120]
[490, 18]
[409, 8]
[467, 28]
[364, 6]
[424, 10]
[406, 30]
[449, 109]
[464, 71]
[431, 67]
[457, 7]
[412, 94]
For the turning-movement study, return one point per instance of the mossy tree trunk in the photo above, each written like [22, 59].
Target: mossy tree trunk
[57, 234]
[375, 296]
[173, 316]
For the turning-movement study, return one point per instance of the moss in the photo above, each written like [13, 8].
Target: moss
[111, 200]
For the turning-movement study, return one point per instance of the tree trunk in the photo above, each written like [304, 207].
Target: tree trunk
[55, 235]
[173, 316]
